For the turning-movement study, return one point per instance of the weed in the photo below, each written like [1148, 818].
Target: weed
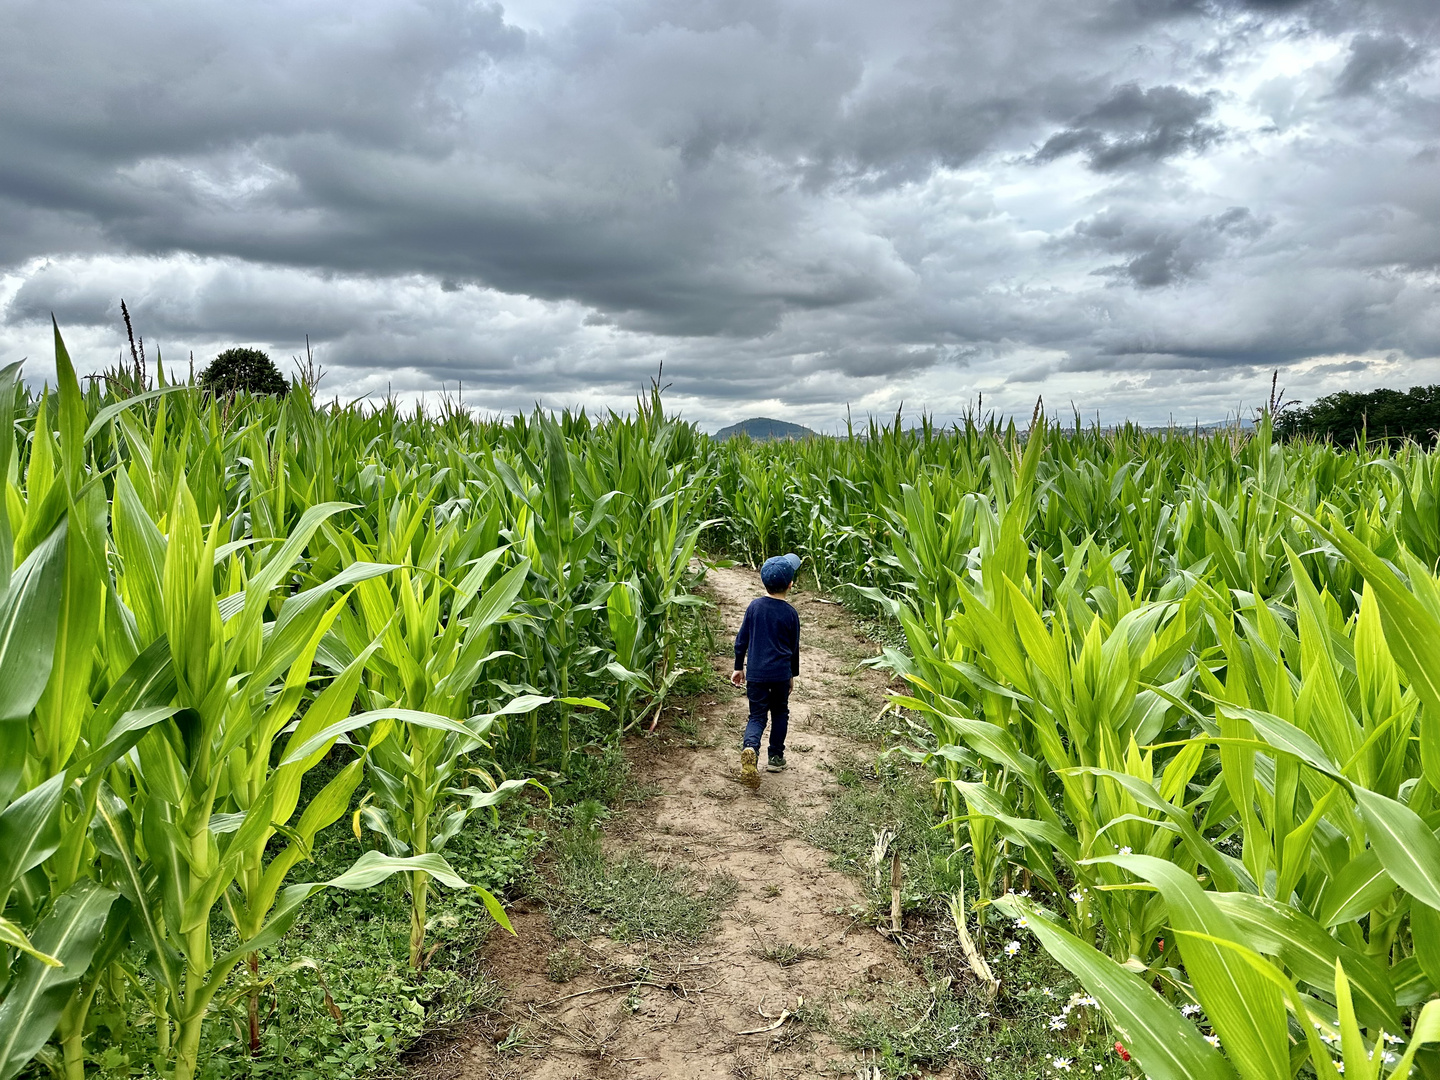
[562, 965]
[628, 898]
[923, 1028]
[600, 773]
[685, 724]
[879, 795]
[865, 723]
[814, 1017]
[788, 953]
[516, 1040]
[697, 643]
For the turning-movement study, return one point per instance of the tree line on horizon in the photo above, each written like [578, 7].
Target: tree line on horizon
[1348, 418]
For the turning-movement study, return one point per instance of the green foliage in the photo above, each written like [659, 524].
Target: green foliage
[1181, 686]
[243, 371]
[1176, 687]
[205, 600]
[1348, 417]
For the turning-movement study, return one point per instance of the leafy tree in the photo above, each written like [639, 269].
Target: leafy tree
[1377, 415]
[243, 371]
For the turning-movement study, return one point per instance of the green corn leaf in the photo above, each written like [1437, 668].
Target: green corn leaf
[579, 702]
[29, 832]
[1299, 1006]
[1412, 985]
[29, 621]
[1352, 1040]
[479, 799]
[1229, 873]
[13, 937]
[1409, 851]
[61, 709]
[1285, 736]
[1248, 1012]
[109, 412]
[1425, 936]
[72, 414]
[115, 825]
[431, 721]
[1359, 887]
[1163, 1043]
[1425, 1032]
[989, 740]
[499, 598]
[38, 992]
[1412, 632]
[369, 870]
[9, 378]
[1304, 947]
[29, 618]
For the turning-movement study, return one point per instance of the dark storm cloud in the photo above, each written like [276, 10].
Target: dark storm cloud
[1162, 253]
[1376, 59]
[798, 201]
[1136, 127]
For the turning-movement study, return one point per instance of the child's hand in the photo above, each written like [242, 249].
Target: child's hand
[738, 677]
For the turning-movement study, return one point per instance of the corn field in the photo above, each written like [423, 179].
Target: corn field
[206, 598]
[1181, 695]
[1180, 692]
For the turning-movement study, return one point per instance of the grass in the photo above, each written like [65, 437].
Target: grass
[562, 965]
[600, 775]
[626, 897]
[878, 794]
[790, 953]
[860, 720]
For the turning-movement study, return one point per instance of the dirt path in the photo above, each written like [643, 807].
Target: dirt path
[697, 1012]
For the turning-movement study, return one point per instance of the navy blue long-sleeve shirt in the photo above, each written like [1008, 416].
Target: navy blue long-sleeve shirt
[770, 634]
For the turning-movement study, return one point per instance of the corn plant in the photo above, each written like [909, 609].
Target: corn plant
[421, 680]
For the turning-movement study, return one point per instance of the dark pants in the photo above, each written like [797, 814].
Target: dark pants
[771, 698]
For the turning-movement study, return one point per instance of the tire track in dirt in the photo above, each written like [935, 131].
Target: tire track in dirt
[699, 1012]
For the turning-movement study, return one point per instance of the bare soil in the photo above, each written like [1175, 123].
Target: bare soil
[710, 1010]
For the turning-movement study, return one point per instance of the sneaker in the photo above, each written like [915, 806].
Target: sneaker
[776, 764]
[749, 775]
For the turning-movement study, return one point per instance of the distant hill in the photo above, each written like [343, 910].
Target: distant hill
[763, 428]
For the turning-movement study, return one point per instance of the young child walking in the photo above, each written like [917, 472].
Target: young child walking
[770, 637]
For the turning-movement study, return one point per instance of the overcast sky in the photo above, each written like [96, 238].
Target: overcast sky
[1142, 207]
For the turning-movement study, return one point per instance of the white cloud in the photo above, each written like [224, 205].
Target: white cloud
[795, 206]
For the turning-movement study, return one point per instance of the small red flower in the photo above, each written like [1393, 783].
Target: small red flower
[1120, 1049]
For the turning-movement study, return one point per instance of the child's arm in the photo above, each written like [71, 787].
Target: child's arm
[795, 652]
[742, 646]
